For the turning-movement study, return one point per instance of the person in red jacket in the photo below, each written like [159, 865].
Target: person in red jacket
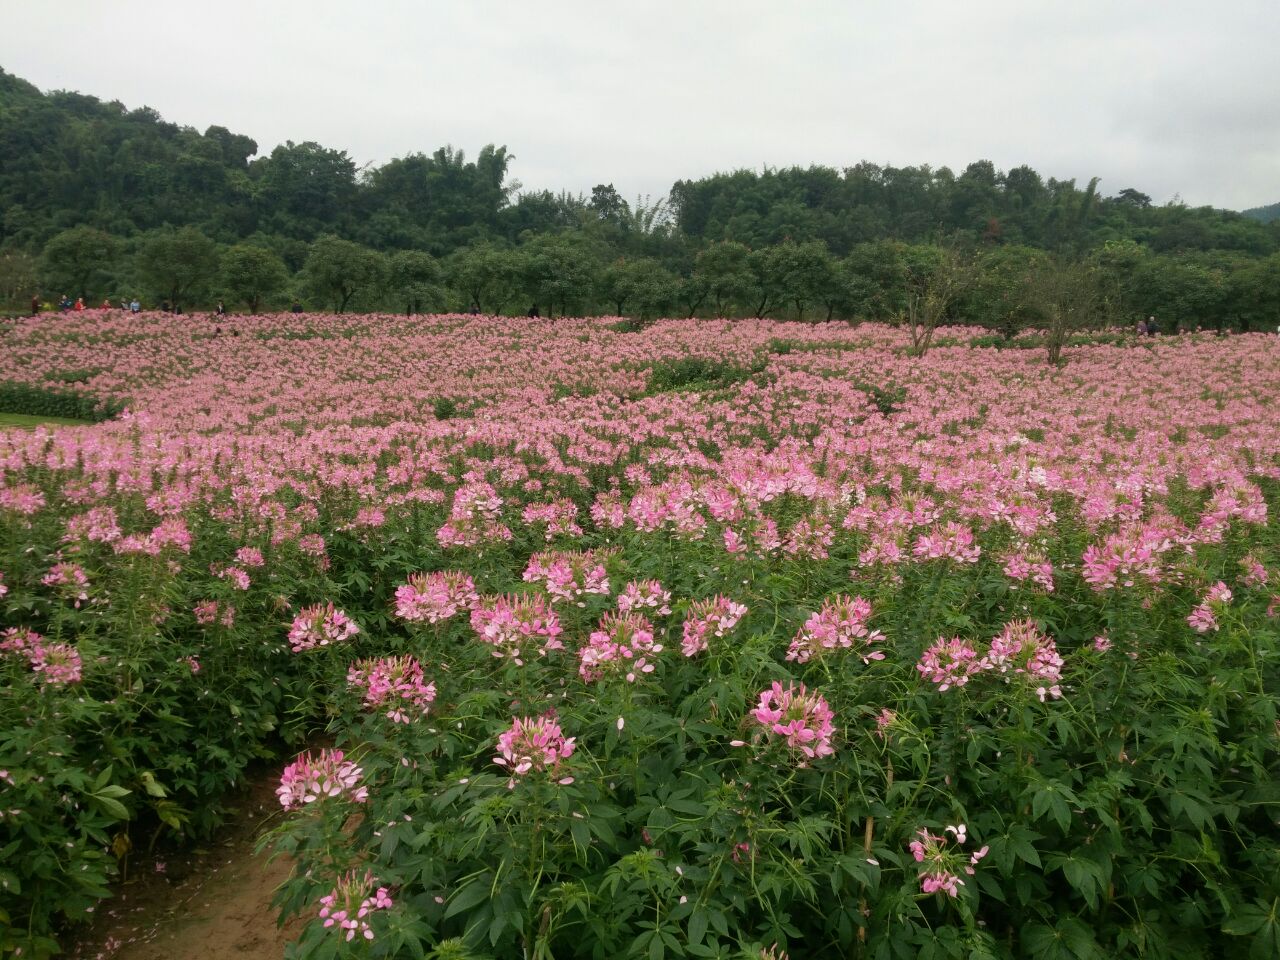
[79, 307]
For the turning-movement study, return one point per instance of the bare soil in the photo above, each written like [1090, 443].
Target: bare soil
[208, 904]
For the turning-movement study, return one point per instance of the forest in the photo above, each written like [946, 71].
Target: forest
[105, 202]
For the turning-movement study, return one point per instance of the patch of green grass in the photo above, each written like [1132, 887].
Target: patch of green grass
[29, 421]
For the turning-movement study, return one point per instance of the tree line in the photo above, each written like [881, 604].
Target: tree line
[102, 201]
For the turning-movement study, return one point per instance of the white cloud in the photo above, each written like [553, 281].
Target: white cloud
[1169, 97]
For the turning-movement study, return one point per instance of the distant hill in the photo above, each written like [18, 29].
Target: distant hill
[1263, 214]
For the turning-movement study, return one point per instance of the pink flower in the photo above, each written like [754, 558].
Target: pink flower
[801, 718]
[841, 624]
[350, 905]
[1021, 650]
[249, 557]
[395, 683]
[435, 597]
[949, 663]
[709, 618]
[645, 595]
[57, 663]
[940, 863]
[320, 626]
[569, 576]
[1102, 643]
[620, 646]
[327, 775]
[517, 626]
[533, 745]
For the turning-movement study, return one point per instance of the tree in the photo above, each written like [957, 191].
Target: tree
[79, 260]
[336, 270]
[725, 271]
[486, 275]
[18, 272]
[641, 282]
[936, 278]
[558, 270]
[251, 274]
[997, 297]
[802, 274]
[1255, 294]
[414, 277]
[1068, 294]
[176, 264]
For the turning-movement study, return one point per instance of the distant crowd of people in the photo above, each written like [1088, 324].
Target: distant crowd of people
[66, 305]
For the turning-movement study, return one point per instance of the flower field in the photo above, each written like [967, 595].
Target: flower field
[575, 639]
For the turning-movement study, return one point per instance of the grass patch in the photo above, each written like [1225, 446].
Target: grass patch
[29, 421]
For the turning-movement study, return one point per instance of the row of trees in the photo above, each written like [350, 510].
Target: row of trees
[997, 286]
[97, 200]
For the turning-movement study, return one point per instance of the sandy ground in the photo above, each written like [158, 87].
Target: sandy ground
[212, 904]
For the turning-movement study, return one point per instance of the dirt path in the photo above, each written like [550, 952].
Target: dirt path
[210, 905]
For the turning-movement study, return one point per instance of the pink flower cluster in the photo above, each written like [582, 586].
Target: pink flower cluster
[803, 719]
[620, 645]
[841, 624]
[568, 576]
[321, 625]
[645, 595]
[69, 580]
[560, 517]
[1021, 650]
[393, 683]
[954, 542]
[476, 517]
[1204, 618]
[208, 612]
[435, 597]
[517, 626]
[350, 904]
[949, 663]
[57, 664]
[709, 618]
[534, 745]
[940, 863]
[323, 776]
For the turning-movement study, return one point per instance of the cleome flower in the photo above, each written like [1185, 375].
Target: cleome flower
[941, 863]
[1021, 650]
[841, 624]
[517, 626]
[533, 745]
[394, 683]
[803, 719]
[709, 618]
[620, 645]
[435, 597]
[326, 775]
[348, 907]
[949, 663]
[321, 625]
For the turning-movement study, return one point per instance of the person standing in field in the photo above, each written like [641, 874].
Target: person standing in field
[135, 306]
[79, 307]
[221, 309]
[35, 304]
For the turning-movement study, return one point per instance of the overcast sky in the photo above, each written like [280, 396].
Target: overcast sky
[1168, 96]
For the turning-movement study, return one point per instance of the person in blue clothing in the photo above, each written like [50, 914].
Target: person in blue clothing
[135, 306]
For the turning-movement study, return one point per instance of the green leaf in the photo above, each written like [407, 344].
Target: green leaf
[475, 892]
[698, 925]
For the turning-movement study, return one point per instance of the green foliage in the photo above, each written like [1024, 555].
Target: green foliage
[252, 275]
[177, 265]
[337, 270]
[694, 373]
[28, 399]
[79, 261]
